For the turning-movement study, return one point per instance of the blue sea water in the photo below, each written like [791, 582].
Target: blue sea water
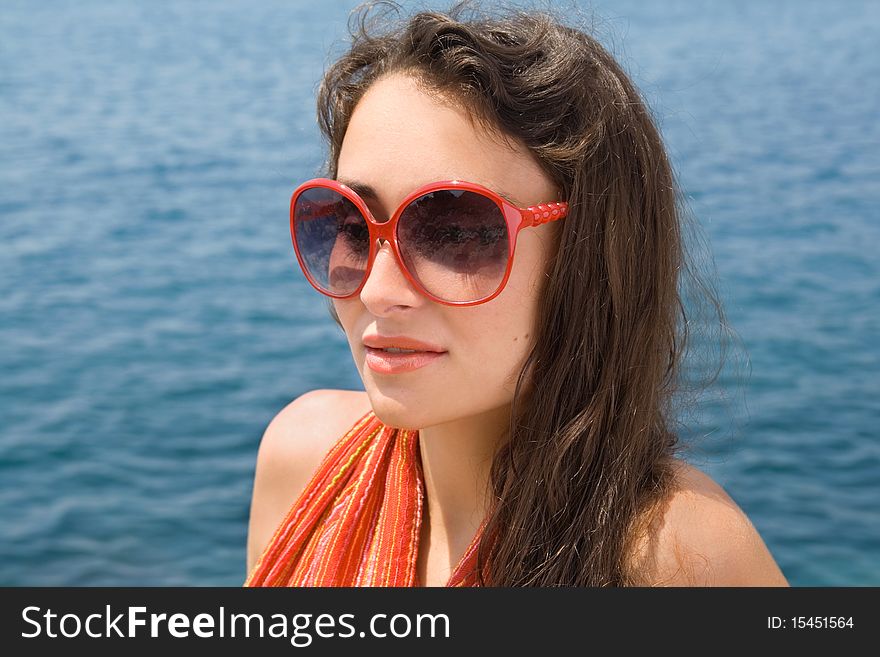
[153, 319]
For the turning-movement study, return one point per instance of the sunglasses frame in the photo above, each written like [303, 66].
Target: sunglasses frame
[517, 219]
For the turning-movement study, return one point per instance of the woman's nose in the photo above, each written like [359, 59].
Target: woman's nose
[387, 285]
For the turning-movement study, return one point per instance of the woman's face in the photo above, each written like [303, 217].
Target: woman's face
[400, 138]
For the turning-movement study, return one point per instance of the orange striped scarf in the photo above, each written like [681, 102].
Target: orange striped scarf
[357, 523]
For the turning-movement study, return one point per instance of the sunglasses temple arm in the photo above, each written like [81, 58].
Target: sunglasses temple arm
[536, 215]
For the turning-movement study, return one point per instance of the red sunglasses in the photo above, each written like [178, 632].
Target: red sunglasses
[454, 240]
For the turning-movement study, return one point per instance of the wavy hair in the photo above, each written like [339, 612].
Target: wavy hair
[578, 488]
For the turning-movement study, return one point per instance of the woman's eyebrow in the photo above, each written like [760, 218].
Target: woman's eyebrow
[361, 189]
[510, 199]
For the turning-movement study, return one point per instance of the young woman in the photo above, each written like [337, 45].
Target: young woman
[497, 200]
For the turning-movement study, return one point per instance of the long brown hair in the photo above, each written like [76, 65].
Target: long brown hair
[578, 486]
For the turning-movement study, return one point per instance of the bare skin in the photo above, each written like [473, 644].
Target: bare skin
[703, 538]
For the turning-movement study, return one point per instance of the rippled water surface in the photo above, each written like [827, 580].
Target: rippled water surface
[153, 320]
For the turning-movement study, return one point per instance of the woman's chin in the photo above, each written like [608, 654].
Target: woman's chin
[397, 412]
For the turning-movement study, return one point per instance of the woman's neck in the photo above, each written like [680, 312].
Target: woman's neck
[456, 461]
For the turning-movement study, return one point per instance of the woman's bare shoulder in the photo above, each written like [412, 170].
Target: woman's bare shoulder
[292, 447]
[703, 538]
[301, 434]
[308, 426]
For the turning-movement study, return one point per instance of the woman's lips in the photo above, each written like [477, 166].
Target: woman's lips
[385, 362]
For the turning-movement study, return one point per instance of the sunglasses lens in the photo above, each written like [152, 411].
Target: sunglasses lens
[332, 238]
[455, 243]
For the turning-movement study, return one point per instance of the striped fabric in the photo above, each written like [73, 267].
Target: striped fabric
[357, 523]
